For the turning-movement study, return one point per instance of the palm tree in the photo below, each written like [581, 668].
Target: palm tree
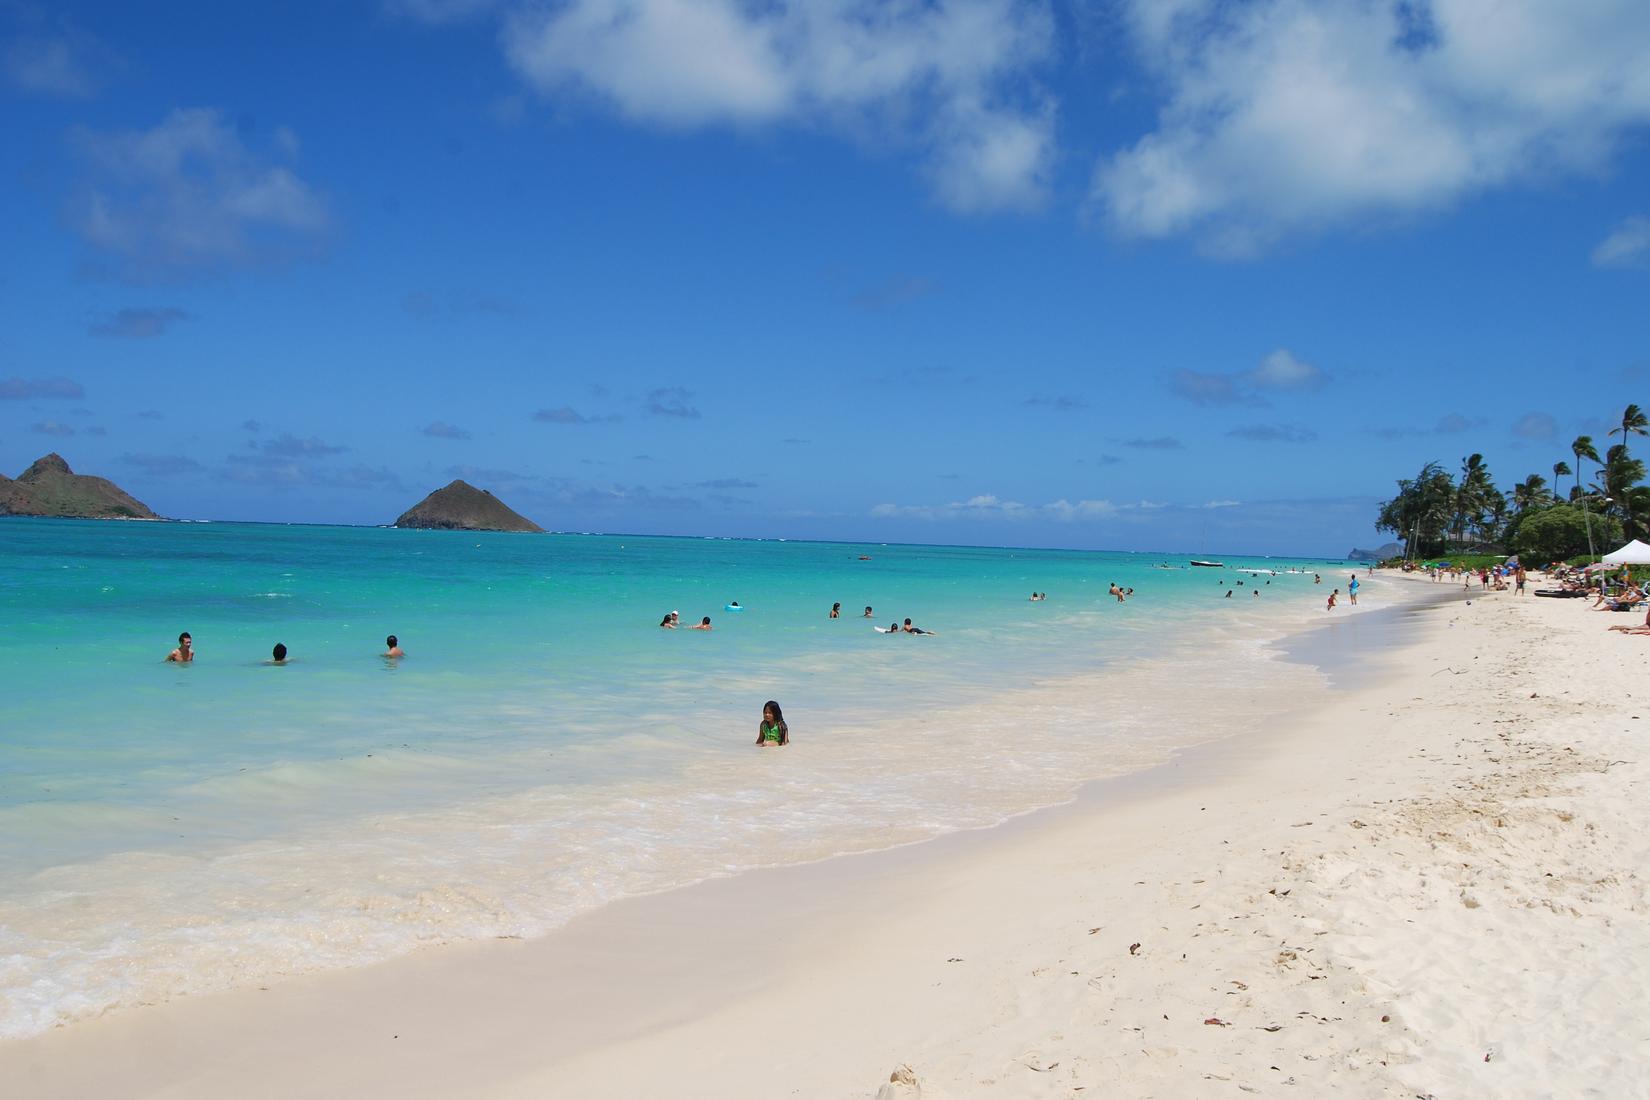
[1582, 448]
[1560, 469]
[1529, 493]
[1633, 422]
[1472, 496]
[1420, 513]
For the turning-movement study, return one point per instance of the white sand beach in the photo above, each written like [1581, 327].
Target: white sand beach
[1426, 881]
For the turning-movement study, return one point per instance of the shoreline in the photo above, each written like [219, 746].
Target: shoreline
[957, 766]
[998, 961]
[908, 856]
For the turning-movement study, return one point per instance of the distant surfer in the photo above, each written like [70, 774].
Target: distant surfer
[772, 730]
[392, 648]
[909, 629]
[185, 651]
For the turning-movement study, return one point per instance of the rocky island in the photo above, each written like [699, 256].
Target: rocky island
[50, 488]
[460, 506]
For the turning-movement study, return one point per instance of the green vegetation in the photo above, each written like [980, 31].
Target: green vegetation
[1469, 520]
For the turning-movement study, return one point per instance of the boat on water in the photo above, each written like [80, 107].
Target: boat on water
[1210, 564]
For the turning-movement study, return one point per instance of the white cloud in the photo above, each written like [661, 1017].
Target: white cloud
[1285, 116]
[58, 65]
[1282, 371]
[189, 194]
[1628, 245]
[950, 79]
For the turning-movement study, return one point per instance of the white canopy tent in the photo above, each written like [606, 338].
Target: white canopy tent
[1634, 553]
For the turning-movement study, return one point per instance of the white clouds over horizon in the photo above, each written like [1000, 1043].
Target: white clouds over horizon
[1288, 116]
[988, 506]
[953, 80]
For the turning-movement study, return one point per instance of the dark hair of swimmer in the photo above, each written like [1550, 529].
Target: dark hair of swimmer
[907, 622]
[391, 642]
[778, 715]
[184, 637]
[665, 621]
[705, 621]
[279, 652]
[836, 607]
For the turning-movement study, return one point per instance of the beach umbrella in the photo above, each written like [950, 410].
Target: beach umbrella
[1634, 553]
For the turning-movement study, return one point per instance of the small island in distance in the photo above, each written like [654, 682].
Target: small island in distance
[50, 488]
[460, 506]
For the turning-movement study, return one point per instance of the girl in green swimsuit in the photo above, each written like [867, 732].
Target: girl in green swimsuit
[773, 730]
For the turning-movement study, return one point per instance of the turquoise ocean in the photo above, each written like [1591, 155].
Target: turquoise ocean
[544, 747]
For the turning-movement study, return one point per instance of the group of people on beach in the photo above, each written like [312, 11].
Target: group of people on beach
[185, 652]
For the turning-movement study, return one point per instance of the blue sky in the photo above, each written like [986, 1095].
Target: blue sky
[1132, 275]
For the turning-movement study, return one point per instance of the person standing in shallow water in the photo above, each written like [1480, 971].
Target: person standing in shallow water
[836, 611]
[772, 730]
[185, 651]
[392, 648]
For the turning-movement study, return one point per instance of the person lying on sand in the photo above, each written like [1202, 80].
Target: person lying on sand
[1645, 629]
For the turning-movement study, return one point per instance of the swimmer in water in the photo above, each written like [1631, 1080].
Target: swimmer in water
[704, 624]
[668, 622]
[392, 648]
[185, 651]
[277, 656]
[867, 611]
[772, 730]
[909, 629]
[836, 611]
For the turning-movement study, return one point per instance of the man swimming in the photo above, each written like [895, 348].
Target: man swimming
[277, 656]
[909, 629]
[185, 651]
[703, 624]
[868, 611]
[392, 648]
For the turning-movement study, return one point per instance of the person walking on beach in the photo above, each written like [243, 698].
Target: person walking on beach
[1518, 581]
[185, 651]
[392, 648]
[772, 730]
